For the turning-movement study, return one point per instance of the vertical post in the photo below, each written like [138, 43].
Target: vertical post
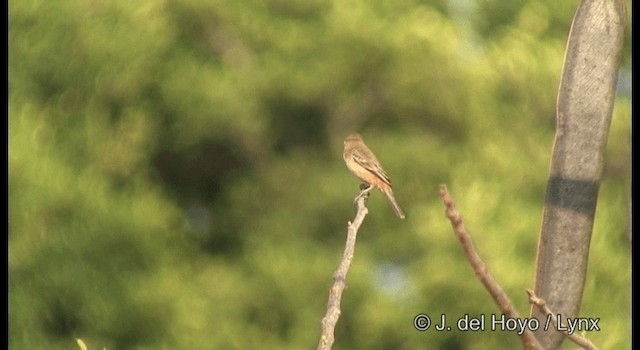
[584, 108]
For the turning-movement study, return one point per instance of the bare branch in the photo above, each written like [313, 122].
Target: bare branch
[340, 276]
[544, 309]
[81, 344]
[480, 268]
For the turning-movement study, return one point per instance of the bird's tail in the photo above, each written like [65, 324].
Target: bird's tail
[396, 208]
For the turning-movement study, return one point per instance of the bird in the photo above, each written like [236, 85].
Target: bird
[364, 164]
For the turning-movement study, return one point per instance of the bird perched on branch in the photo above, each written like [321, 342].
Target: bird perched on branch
[364, 164]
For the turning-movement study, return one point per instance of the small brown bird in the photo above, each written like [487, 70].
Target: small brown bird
[361, 161]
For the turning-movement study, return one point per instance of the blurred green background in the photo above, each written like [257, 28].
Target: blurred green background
[176, 178]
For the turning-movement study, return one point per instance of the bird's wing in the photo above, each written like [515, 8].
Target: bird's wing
[373, 167]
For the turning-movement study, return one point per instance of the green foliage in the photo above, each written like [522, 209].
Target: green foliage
[176, 181]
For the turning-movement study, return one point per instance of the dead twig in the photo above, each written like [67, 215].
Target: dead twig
[480, 268]
[340, 276]
[544, 309]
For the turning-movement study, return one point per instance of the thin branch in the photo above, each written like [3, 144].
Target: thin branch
[544, 309]
[81, 344]
[340, 276]
[481, 270]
